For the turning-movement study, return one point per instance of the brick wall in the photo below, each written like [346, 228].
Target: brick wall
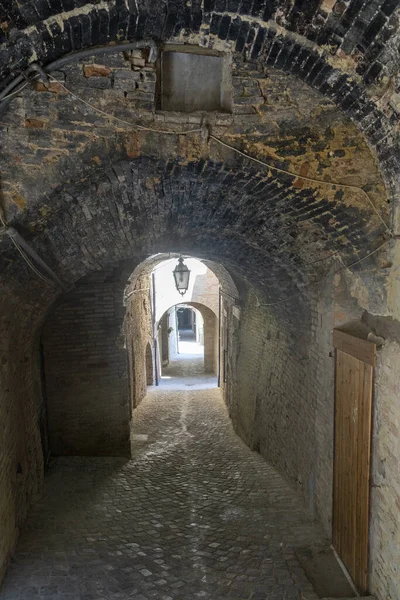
[89, 193]
[138, 328]
[86, 369]
[385, 490]
[281, 395]
[210, 322]
[21, 407]
[355, 31]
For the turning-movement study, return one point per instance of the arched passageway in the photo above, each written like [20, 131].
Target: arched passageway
[193, 348]
[285, 184]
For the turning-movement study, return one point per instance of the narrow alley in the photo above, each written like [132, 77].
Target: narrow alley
[200, 300]
[193, 514]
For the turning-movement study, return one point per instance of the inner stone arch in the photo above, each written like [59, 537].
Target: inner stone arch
[101, 350]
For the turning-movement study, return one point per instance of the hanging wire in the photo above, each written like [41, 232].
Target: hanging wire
[13, 94]
[234, 149]
[132, 125]
[25, 256]
[343, 268]
[240, 152]
[304, 178]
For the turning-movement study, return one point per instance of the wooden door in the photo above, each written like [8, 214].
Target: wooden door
[355, 361]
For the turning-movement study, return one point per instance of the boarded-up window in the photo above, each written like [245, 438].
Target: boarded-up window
[192, 82]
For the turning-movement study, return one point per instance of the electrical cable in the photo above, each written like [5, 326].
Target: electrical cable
[25, 257]
[110, 116]
[304, 178]
[29, 263]
[40, 71]
[12, 94]
[134, 292]
[247, 156]
[343, 268]
[244, 154]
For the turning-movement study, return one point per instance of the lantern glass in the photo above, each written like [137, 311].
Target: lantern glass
[181, 276]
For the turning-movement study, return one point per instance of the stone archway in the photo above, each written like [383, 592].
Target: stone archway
[132, 193]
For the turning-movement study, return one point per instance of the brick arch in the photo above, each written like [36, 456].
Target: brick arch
[211, 325]
[210, 320]
[228, 221]
[256, 30]
[346, 29]
[265, 260]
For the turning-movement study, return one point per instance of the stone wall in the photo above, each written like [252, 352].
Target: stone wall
[139, 334]
[361, 34]
[86, 369]
[281, 403]
[210, 323]
[385, 490]
[22, 440]
[89, 191]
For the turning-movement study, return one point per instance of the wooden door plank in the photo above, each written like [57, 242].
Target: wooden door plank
[359, 520]
[352, 452]
[365, 461]
[363, 350]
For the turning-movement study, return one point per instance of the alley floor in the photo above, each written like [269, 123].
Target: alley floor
[193, 515]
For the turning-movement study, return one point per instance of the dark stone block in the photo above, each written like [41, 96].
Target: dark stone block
[308, 65]
[67, 5]
[275, 49]
[351, 13]
[251, 36]
[44, 9]
[257, 8]
[283, 55]
[104, 17]
[94, 31]
[270, 9]
[298, 65]
[141, 26]
[234, 29]
[258, 44]
[233, 6]
[373, 29]
[170, 25]
[155, 25]
[220, 5]
[214, 25]
[73, 26]
[389, 7]
[322, 76]
[245, 7]
[315, 70]
[224, 27]
[86, 30]
[197, 20]
[373, 73]
[113, 23]
[209, 5]
[242, 36]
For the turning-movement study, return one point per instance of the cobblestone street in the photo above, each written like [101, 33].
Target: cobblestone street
[193, 515]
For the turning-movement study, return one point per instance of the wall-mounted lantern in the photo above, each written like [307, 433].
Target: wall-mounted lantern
[181, 276]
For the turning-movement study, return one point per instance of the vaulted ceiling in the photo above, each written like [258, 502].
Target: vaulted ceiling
[315, 96]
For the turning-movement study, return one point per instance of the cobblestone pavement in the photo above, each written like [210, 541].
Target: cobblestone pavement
[187, 369]
[193, 515]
